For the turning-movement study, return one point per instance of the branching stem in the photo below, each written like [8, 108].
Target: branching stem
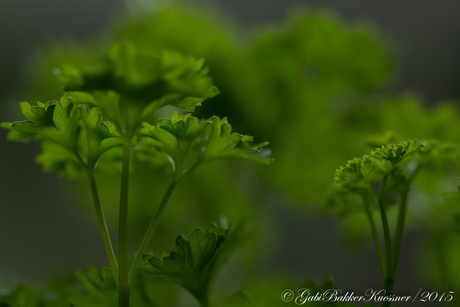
[393, 256]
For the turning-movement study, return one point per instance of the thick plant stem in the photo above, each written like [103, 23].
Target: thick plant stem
[123, 269]
[103, 227]
[150, 232]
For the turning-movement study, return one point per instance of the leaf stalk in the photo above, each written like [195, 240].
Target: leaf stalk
[151, 231]
[400, 230]
[386, 231]
[103, 227]
[376, 240]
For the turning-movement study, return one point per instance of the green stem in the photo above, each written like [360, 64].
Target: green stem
[103, 227]
[386, 234]
[100, 216]
[150, 232]
[400, 230]
[123, 285]
[399, 236]
[378, 247]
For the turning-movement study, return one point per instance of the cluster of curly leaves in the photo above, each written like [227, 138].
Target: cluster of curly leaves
[75, 137]
[361, 179]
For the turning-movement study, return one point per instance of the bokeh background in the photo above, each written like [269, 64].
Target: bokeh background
[43, 231]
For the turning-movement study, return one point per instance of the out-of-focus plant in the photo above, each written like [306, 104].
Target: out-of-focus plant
[440, 255]
[382, 180]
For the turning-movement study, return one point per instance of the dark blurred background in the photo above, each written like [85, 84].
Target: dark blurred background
[37, 238]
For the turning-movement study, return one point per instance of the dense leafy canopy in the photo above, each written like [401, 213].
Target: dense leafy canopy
[143, 77]
[126, 87]
[129, 84]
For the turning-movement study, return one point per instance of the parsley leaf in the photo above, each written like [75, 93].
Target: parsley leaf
[73, 136]
[100, 136]
[361, 177]
[54, 157]
[195, 262]
[222, 143]
[55, 120]
[188, 142]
